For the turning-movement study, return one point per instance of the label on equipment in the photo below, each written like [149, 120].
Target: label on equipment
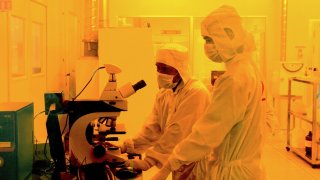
[5, 144]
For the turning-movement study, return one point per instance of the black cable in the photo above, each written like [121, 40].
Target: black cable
[36, 149]
[87, 83]
[67, 121]
[44, 149]
[101, 120]
[36, 144]
[38, 114]
[45, 146]
[42, 167]
[64, 128]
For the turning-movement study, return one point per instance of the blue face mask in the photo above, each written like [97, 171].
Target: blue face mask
[166, 81]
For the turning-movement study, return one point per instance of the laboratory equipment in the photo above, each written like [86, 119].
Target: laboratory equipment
[92, 126]
[16, 140]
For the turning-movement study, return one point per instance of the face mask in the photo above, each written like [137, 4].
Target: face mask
[212, 53]
[165, 81]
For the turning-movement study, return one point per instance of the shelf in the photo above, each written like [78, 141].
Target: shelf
[303, 117]
[306, 79]
[313, 159]
[301, 152]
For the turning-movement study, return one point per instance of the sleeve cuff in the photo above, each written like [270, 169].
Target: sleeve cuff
[174, 164]
[150, 161]
[129, 145]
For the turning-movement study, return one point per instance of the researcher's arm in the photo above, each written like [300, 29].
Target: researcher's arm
[151, 130]
[189, 108]
[230, 97]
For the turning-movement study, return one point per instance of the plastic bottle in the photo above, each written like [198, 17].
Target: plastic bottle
[308, 144]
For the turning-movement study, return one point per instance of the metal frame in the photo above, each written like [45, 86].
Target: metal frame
[315, 160]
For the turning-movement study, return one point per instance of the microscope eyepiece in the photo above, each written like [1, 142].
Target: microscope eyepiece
[129, 89]
[139, 85]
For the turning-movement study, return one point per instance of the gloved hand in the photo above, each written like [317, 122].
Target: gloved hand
[163, 173]
[138, 164]
[123, 148]
[127, 146]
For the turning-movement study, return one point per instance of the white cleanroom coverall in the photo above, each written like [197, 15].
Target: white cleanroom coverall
[230, 134]
[173, 114]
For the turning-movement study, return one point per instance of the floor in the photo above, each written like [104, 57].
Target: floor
[282, 165]
[279, 163]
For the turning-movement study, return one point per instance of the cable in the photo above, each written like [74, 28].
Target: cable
[35, 155]
[64, 128]
[109, 173]
[38, 114]
[36, 144]
[87, 83]
[67, 121]
[45, 150]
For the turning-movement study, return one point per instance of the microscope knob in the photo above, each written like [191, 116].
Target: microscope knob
[99, 151]
[113, 148]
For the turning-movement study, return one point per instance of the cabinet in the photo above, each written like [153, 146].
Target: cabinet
[311, 118]
[16, 140]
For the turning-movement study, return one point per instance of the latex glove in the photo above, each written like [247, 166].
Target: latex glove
[123, 148]
[127, 146]
[163, 173]
[138, 164]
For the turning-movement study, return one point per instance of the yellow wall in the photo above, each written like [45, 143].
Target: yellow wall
[118, 46]
[58, 18]
[200, 8]
[3, 57]
[58, 13]
[299, 14]
[64, 42]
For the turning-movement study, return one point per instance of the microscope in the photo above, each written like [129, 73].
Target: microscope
[92, 126]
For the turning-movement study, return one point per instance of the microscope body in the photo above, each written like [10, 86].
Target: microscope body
[91, 122]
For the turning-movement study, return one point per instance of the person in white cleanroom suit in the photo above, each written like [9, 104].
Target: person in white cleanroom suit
[230, 133]
[180, 101]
